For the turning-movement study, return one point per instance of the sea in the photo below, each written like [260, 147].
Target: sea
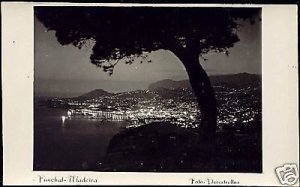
[70, 145]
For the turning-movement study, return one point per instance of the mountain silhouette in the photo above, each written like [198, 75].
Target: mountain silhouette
[169, 84]
[95, 94]
[240, 80]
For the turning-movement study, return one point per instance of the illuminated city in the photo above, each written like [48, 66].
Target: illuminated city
[237, 106]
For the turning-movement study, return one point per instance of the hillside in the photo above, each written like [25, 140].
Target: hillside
[169, 84]
[241, 80]
[236, 80]
[95, 94]
[164, 147]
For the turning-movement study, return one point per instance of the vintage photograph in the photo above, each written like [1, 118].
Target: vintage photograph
[147, 89]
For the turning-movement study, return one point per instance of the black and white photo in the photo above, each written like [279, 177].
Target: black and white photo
[150, 89]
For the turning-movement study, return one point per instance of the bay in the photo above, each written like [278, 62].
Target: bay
[73, 145]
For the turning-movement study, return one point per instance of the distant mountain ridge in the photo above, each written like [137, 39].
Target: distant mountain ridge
[96, 93]
[237, 80]
[169, 84]
[241, 80]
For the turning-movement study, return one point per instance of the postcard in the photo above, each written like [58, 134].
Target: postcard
[150, 94]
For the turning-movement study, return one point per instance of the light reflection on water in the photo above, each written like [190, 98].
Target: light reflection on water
[70, 144]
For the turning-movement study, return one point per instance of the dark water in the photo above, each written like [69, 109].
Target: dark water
[75, 144]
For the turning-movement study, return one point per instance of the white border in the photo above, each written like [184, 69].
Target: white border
[280, 100]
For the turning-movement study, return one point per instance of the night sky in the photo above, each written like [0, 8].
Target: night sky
[67, 71]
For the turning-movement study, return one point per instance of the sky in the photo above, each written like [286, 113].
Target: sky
[67, 71]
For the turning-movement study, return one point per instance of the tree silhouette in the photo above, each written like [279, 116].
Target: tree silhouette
[125, 34]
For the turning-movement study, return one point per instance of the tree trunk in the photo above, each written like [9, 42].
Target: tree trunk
[204, 93]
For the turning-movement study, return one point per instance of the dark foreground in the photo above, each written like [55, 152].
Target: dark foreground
[166, 148]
